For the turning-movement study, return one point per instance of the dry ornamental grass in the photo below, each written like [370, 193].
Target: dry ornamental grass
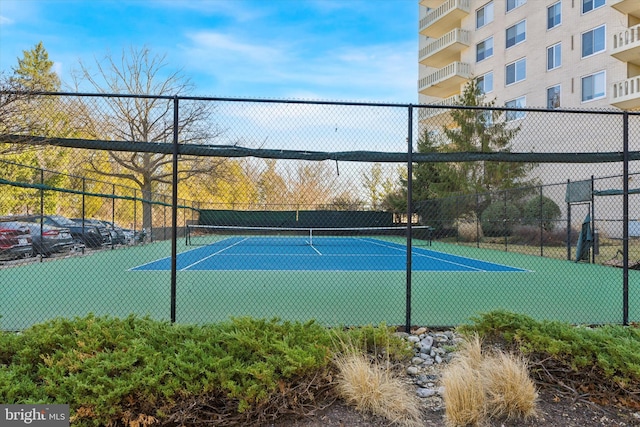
[372, 388]
[479, 387]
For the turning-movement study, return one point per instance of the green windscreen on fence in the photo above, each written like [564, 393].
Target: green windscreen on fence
[296, 218]
[247, 218]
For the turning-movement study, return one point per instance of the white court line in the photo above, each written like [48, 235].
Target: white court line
[213, 254]
[431, 257]
[402, 248]
[314, 248]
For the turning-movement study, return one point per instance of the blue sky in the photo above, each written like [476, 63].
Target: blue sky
[346, 50]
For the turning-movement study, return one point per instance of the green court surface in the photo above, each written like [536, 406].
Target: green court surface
[102, 283]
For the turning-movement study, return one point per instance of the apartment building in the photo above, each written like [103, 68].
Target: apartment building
[536, 53]
[566, 54]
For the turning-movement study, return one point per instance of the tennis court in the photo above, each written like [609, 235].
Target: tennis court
[304, 251]
[450, 283]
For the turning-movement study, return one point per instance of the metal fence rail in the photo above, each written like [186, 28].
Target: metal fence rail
[154, 166]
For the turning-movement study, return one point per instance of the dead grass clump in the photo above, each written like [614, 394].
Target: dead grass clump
[463, 394]
[372, 388]
[510, 392]
[481, 386]
[469, 230]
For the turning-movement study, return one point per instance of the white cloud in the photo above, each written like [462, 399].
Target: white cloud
[5, 21]
[302, 69]
[221, 46]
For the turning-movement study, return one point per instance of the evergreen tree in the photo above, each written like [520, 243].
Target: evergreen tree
[28, 114]
[35, 71]
[438, 189]
[485, 131]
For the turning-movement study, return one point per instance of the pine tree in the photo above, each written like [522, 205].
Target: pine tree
[486, 131]
[441, 190]
[35, 71]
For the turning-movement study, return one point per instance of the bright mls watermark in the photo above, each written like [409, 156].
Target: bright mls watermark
[34, 415]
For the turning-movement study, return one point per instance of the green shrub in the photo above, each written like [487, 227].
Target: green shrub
[377, 340]
[541, 210]
[499, 218]
[136, 371]
[612, 350]
[110, 369]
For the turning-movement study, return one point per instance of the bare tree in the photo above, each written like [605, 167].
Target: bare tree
[146, 117]
[11, 103]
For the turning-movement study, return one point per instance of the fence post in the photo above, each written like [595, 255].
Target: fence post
[595, 242]
[568, 225]
[174, 209]
[41, 209]
[135, 215]
[477, 219]
[84, 191]
[625, 219]
[409, 217]
[506, 224]
[541, 225]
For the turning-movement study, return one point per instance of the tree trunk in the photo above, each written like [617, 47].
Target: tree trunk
[147, 208]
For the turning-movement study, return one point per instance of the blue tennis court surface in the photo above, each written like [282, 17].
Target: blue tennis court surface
[321, 254]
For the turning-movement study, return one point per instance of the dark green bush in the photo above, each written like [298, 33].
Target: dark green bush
[499, 219]
[541, 210]
[611, 350]
[102, 366]
[125, 371]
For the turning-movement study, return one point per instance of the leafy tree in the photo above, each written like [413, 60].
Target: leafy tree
[499, 219]
[542, 210]
[377, 185]
[347, 201]
[272, 188]
[311, 185]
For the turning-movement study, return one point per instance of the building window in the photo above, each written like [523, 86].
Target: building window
[485, 82]
[554, 15]
[512, 4]
[484, 15]
[484, 49]
[593, 41]
[515, 103]
[516, 71]
[516, 34]
[554, 56]
[553, 97]
[593, 86]
[589, 5]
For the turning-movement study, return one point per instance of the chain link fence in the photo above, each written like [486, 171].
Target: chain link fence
[192, 210]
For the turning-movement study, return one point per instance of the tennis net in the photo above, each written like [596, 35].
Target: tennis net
[202, 235]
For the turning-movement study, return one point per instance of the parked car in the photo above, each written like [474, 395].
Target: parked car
[117, 233]
[105, 229]
[16, 243]
[52, 240]
[129, 234]
[89, 235]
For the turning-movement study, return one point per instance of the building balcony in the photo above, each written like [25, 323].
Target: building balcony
[625, 94]
[626, 45]
[431, 4]
[438, 116]
[446, 49]
[444, 18]
[446, 81]
[629, 7]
